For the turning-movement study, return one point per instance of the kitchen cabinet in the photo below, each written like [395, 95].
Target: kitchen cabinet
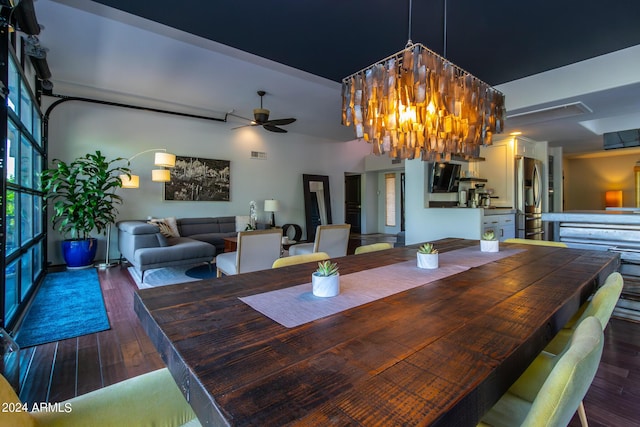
[498, 170]
[503, 225]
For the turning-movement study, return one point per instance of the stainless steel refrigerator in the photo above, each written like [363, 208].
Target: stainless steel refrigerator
[529, 199]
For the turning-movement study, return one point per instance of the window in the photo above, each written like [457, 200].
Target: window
[22, 209]
[390, 199]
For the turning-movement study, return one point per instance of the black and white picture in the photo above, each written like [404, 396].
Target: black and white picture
[198, 179]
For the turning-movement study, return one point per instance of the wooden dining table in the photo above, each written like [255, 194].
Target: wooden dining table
[440, 353]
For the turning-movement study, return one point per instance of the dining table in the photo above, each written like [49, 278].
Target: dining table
[398, 346]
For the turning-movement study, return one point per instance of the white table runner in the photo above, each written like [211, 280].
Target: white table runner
[296, 305]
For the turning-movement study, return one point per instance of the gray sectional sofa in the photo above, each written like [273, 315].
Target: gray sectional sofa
[201, 239]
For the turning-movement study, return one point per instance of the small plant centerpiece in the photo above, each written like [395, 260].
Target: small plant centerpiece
[489, 242]
[326, 279]
[427, 256]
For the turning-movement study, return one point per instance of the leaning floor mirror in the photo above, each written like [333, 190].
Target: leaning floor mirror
[317, 202]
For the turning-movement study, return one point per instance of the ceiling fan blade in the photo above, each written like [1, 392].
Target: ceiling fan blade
[274, 128]
[239, 127]
[280, 122]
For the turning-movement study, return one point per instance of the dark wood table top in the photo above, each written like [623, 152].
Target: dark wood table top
[439, 354]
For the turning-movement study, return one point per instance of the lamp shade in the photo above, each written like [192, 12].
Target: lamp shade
[613, 198]
[133, 182]
[271, 205]
[160, 175]
[166, 160]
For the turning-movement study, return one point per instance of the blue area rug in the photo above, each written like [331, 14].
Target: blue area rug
[202, 272]
[68, 304]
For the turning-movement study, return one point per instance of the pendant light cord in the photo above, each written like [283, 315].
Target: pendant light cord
[409, 42]
[444, 31]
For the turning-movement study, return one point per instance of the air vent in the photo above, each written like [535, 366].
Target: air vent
[260, 155]
[546, 114]
[621, 139]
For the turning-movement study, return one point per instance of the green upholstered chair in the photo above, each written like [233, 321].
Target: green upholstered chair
[601, 306]
[152, 399]
[372, 248]
[300, 259]
[552, 388]
[536, 242]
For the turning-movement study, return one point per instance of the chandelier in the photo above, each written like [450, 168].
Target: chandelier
[417, 104]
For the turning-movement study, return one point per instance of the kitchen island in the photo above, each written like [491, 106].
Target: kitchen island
[606, 230]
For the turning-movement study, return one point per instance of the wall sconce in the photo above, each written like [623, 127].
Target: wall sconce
[162, 159]
[613, 198]
[272, 206]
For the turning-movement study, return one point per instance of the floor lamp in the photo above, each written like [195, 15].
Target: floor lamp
[162, 159]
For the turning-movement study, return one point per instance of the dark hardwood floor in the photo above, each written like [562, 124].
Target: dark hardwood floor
[57, 371]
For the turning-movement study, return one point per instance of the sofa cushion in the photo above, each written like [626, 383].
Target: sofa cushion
[213, 238]
[180, 248]
[191, 226]
[242, 221]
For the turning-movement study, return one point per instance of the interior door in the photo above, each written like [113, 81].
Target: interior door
[352, 202]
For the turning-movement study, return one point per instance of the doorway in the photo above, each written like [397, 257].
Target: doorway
[353, 202]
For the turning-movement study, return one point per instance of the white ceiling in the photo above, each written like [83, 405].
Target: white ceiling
[94, 46]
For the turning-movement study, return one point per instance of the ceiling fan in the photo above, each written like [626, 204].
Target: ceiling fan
[261, 118]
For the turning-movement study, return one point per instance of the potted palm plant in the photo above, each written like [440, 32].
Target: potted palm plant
[84, 196]
[489, 242]
[326, 279]
[427, 256]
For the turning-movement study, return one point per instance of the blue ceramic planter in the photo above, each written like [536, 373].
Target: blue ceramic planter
[79, 253]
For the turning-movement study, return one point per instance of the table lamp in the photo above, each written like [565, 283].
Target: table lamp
[272, 206]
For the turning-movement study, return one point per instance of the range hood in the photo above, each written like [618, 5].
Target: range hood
[621, 139]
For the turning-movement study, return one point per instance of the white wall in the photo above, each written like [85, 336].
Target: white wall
[427, 224]
[77, 128]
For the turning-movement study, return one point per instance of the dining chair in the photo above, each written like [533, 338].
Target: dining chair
[256, 250]
[552, 388]
[601, 305]
[332, 239]
[300, 259]
[149, 399]
[536, 242]
[372, 248]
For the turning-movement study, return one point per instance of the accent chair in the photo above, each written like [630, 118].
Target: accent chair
[256, 250]
[332, 239]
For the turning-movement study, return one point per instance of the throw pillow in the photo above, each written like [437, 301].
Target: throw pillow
[162, 240]
[168, 226]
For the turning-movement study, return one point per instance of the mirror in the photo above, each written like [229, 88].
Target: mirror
[317, 202]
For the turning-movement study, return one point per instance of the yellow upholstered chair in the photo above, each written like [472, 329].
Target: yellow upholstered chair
[257, 250]
[536, 242]
[552, 388]
[300, 259]
[601, 305]
[332, 239]
[151, 399]
[372, 248]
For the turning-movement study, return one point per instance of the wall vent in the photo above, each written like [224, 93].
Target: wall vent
[546, 114]
[621, 139]
[260, 155]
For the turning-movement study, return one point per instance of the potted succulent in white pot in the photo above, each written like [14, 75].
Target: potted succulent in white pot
[427, 256]
[326, 279]
[84, 199]
[489, 242]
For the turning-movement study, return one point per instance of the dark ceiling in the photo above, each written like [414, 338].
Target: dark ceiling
[497, 40]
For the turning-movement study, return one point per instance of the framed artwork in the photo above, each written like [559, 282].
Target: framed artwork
[196, 179]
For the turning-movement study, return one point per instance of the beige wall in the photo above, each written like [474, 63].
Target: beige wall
[587, 178]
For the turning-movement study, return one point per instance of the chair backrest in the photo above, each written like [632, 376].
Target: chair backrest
[568, 382]
[258, 249]
[372, 248]
[604, 300]
[300, 259]
[13, 418]
[536, 242]
[332, 239]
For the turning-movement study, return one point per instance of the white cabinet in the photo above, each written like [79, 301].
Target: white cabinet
[504, 225]
[498, 169]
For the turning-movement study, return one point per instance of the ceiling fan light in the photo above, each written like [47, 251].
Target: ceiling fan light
[261, 115]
